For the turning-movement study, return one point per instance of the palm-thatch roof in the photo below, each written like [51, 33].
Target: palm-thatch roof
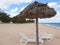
[37, 9]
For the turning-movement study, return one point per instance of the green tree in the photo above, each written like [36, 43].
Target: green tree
[4, 17]
[17, 19]
[29, 21]
[14, 19]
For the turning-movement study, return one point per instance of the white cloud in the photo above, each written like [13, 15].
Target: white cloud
[4, 4]
[13, 12]
[49, 20]
[58, 12]
[58, 6]
[54, 5]
[23, 8]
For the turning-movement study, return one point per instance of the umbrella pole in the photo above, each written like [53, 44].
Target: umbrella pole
[37, 37]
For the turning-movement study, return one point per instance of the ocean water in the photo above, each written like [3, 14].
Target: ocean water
[54, 24]
[57, 25]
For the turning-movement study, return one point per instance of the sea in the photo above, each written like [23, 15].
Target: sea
[57, 25]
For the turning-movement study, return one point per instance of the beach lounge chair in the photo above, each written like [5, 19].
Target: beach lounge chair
[25, 39]
[46, 36]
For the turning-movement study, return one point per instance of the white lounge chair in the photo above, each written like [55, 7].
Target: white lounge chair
[46, 36]
[25, 39]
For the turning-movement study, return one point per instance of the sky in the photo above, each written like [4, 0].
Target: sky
[14, 7]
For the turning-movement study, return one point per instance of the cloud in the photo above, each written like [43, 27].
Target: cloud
[4, 4]
[23, 8]
[54, 5]
[49, 20]
[13, 12]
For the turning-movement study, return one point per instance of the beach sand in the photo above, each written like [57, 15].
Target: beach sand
[10, 33]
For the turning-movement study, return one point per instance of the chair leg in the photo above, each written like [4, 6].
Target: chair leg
[40, 43]
[23, 42]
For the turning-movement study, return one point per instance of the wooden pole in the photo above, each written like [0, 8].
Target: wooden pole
[37, 36]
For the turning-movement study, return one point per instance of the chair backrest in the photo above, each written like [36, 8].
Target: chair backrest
[24, 36]
[47, 36]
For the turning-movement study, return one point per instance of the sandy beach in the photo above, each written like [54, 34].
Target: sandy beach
[10, 33]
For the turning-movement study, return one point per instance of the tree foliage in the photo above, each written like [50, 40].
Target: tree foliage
[29, 21]
[15, 19]
[4, 17]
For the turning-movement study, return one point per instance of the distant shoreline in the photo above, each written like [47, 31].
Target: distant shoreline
[53, 26]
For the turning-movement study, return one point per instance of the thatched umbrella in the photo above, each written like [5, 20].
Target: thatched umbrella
[37, 10]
